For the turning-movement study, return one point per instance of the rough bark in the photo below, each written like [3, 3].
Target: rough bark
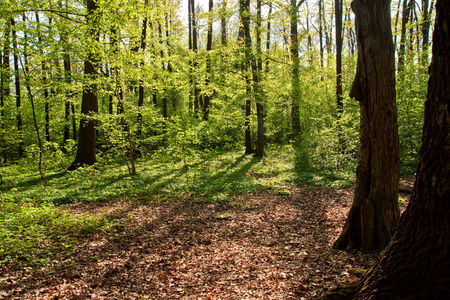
[89, 104]
[374, 215]
[415, 265]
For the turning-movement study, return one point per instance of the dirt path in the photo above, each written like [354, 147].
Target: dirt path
[258, 246]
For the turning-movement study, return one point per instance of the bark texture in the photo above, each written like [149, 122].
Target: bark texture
[374, 215]
[416, 263]
[89, 104]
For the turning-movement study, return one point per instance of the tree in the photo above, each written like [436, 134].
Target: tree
[407, 4]
[5, 88]
[257, 73]
[244, 15]
[415, 265]
[374, 215]
[89, 103]
[207, 96]
[17, 86]
[338, 7]
[295, 113]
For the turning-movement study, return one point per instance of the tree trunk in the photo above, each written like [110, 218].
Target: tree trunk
[69, 95]
[295, 107]
[244, 14]
[321, 32]
[374, 215]
[207, 96]
[407, 4]
[257, 90]
[5, 86]
[269, 14]
[427, 12]
[415, 265]
[223, 22]
[44, 78]
[89, 103]
[195, 89]
[141, 81]
[338, 6]
[17, 86]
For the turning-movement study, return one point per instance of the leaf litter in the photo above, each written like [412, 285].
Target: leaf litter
[257, 246]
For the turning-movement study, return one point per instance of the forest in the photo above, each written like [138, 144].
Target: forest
[224, 149]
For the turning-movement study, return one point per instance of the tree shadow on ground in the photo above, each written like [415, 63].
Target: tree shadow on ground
[259, 246]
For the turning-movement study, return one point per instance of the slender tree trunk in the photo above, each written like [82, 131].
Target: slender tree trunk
[44, 79]
[141, 81]
[407, 4]
[33, 109]
[309, 39]
[207, 96]
[338, 7]
[350, 33]
[415, 265]
[223, 23]
[295, 106]
[427, 12]
[18, 90]
[89, 103]
[69, 95]
[196, 90]
[5, 88]
[269, 14]
[244, 14]
[257, 90]
[374, 215]
[321, 32]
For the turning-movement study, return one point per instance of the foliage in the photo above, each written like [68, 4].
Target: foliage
[34, 234]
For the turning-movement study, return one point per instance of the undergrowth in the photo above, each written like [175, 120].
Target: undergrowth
[34, 229]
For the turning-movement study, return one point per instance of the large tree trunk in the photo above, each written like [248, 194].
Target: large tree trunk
[416, 263]
[374, 215]
[89, 103]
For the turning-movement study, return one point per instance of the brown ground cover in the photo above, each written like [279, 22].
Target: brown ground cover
[257, 246]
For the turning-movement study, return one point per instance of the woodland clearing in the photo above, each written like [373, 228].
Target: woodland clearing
[263, 245]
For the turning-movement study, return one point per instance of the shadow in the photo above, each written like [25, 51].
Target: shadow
[230, 178]
[180, 249]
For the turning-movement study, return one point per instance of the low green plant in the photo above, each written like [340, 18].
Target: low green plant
[34, 234]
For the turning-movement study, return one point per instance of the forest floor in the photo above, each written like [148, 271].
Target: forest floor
[263, 245]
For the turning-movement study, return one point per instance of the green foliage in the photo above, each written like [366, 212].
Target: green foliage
[37, 233]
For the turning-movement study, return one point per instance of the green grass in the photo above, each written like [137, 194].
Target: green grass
[33, 228]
